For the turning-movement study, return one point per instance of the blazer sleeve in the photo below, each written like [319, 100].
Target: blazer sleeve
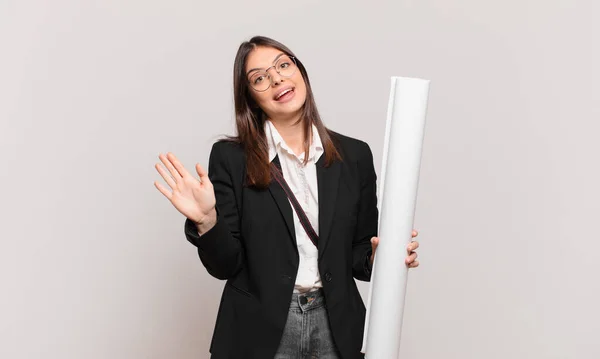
[367, 216]
[220, 249]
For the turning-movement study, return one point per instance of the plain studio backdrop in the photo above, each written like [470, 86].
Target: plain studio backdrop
[93, 260]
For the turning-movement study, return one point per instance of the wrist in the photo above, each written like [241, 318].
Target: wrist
[207, 222]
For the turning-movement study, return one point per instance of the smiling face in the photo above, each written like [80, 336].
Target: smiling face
[284, 98]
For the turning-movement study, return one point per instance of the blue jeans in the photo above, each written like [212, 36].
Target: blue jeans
[307, 334]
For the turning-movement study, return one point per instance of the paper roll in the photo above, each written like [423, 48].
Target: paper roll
[403, 144]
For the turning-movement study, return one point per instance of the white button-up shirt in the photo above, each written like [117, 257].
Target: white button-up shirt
[302, 180]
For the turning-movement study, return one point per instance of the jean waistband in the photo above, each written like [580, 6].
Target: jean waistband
[309, 300]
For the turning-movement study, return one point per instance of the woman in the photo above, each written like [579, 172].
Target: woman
[286, 214]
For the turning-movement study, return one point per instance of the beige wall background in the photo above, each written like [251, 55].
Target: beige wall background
[93, 261]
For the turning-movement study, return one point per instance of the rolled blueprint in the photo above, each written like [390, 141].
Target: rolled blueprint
[398, 194]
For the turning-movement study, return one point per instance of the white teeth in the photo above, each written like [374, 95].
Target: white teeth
[283, 93]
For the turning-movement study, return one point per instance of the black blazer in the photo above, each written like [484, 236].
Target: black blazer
[253, 247]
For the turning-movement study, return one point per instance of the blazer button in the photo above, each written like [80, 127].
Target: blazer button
[328, 277]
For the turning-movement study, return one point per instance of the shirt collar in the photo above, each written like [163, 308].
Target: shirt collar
[276, 143]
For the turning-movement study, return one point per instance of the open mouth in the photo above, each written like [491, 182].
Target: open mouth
[285, 95]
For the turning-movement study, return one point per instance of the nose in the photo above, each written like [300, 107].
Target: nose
[275, 77]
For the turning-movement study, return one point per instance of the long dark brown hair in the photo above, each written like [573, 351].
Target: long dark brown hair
[250, 119]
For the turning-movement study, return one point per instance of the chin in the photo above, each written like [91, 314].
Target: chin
[287, 109]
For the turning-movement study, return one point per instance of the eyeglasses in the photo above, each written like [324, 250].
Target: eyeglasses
[261, 80]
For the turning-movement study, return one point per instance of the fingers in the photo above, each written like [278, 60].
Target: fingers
[374, 244]
[414, 264]
[166, 176]
[163, 190]
[411, 247]
[167, 161]
[415, 233]
[202, 174]
[411, 258]
[178, 165]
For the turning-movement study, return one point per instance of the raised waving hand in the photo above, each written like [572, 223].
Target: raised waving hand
[193, 197]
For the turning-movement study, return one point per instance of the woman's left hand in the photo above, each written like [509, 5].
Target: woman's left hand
[411, 257]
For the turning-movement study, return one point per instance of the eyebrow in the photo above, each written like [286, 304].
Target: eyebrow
[260, 68]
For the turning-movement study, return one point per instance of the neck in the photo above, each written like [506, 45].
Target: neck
[292, 133]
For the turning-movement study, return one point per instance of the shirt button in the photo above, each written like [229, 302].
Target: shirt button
[313, 269]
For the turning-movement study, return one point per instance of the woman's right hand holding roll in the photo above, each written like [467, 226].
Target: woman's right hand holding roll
[194, 198]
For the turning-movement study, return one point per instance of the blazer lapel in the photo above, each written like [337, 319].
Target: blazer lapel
[284, 206]
[328, 182]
